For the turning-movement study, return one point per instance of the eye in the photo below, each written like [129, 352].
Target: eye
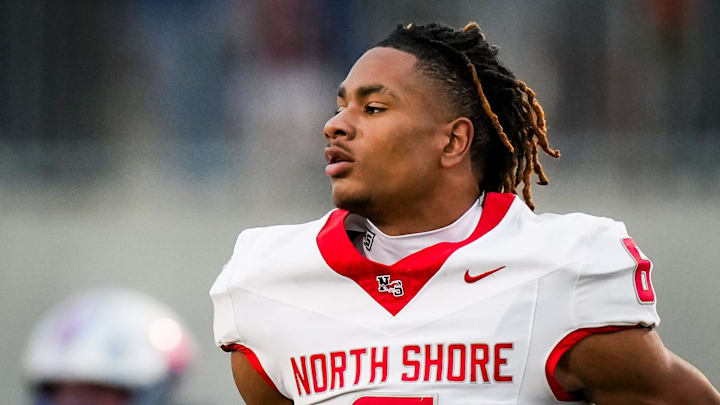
[373, 110]
[338, 110]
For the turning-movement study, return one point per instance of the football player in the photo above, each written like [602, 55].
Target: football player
[433, 282]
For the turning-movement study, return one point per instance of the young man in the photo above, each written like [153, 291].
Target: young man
[433, 282]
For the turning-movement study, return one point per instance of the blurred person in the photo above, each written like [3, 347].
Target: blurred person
[433, 281]
[107, 347]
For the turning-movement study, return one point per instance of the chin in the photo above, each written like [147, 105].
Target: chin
[353, 201]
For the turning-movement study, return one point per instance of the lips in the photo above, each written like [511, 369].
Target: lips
[339, 161]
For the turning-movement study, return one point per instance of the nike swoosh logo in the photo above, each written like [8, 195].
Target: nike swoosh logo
[472, 279]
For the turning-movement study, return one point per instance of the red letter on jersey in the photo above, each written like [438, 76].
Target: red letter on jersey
[336, 369]
[301, 377]
[319, 382]
[476, 361]
[499, 361]
[415, 364]
[452, 350]
[382, 364]
[358, 355]
[643, 285]
[430, 362]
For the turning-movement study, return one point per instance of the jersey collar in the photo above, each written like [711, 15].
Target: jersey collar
[413, 271]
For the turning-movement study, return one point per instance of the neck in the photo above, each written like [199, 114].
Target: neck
[431, 213]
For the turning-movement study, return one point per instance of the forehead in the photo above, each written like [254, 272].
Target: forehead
[388, 67]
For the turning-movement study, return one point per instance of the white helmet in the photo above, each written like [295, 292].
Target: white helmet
[110, 337]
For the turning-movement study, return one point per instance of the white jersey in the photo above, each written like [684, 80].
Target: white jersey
[484, 320]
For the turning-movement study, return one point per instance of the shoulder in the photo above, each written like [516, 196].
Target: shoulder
[560, 238]
[581, 225]
[261, 241]
[602, 250]
[600, 244]
[571, 237]
[259, 255]
[613, 284]
[270, 237]
[573, 224]
[254, 246]
[608, 283]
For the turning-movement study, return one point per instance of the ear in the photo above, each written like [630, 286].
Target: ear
[459, 137]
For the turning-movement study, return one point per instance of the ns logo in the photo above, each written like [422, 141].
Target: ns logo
[394, 287]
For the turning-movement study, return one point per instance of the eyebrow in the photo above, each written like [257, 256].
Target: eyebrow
[365, 91]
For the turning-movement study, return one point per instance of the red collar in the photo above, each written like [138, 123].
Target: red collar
[413, 271]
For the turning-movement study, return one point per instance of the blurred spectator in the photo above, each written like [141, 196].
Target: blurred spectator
[107, 347]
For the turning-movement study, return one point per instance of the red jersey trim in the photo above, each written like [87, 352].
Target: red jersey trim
[252, 358]
[413, 271]
[563, 346]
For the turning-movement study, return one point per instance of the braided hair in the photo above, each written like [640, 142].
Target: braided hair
[508, 120]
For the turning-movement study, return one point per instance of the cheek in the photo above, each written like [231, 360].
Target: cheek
[402, 157]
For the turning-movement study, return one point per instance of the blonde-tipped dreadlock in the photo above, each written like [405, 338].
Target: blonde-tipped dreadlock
[509, 122]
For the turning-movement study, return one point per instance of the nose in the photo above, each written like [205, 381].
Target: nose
[338, 126]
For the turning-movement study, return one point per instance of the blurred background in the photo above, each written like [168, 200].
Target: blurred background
[137, 138]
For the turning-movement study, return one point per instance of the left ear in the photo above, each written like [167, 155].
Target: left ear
[459, 137]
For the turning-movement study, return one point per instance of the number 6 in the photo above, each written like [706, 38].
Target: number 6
[643, 267]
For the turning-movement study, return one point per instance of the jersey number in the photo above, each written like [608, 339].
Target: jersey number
[643, 283]
[395, 400]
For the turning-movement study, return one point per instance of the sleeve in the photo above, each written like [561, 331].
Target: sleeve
[614, 287]
[613, 292]
[224, 326]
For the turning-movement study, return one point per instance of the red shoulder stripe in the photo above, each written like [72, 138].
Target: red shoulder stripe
[252, 358]
[563, 346]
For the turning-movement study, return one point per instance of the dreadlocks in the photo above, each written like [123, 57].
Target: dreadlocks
[508, 120]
